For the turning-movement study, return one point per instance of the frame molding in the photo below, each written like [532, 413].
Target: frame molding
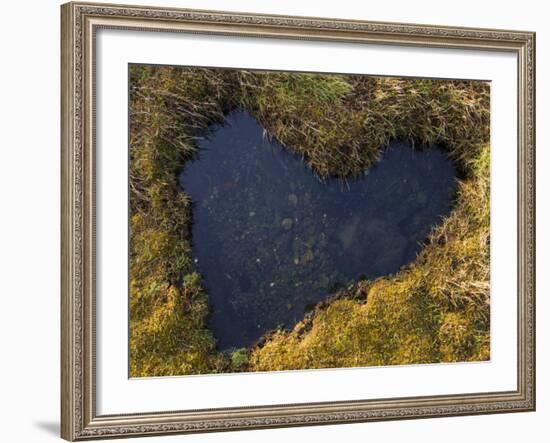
[79, 21]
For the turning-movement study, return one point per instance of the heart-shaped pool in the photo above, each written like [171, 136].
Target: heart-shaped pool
[271, 240]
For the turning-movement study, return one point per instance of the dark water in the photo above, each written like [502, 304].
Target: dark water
[271, 240]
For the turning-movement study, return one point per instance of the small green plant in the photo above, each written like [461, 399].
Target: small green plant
[239, 359]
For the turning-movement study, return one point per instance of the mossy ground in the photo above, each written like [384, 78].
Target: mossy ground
[434, 310]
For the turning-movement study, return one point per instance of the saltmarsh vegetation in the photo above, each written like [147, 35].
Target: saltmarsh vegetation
[434, 310]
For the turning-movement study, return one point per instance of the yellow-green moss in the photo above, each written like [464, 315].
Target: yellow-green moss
[434, 310]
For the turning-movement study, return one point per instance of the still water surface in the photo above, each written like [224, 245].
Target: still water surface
[271, 240]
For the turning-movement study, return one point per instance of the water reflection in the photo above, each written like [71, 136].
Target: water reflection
[270, 239]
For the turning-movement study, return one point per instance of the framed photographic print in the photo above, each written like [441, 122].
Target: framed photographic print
[281, 221]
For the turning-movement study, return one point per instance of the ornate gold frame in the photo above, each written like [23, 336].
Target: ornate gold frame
[80, 21]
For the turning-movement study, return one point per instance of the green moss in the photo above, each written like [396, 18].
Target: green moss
[239, 359]
[436, 309]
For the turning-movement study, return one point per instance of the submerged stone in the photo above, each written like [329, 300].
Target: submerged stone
[266, 260]
[287, 223]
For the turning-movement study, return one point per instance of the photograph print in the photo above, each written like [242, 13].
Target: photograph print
[293, 220]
